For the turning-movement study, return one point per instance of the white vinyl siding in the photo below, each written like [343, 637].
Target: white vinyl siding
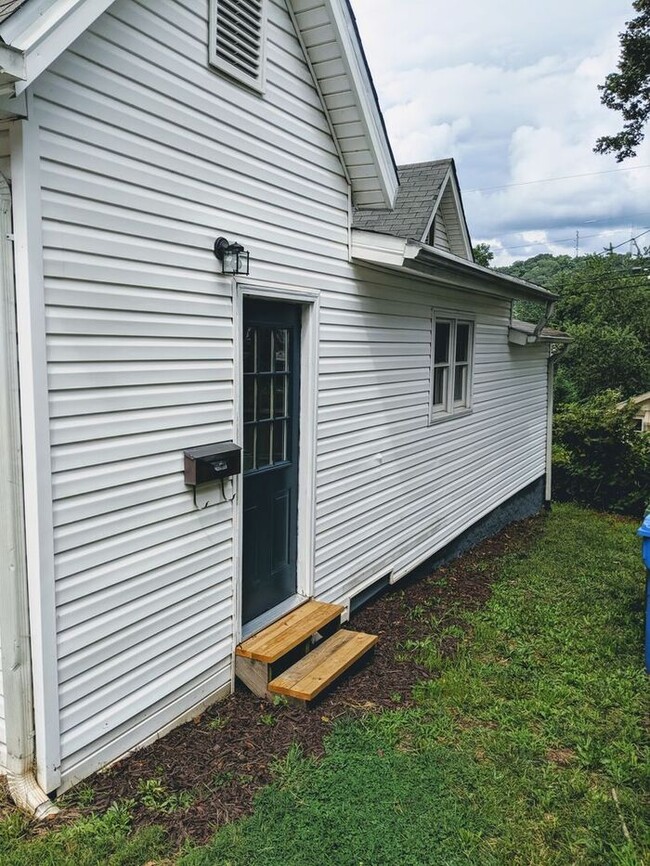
[438, 236]
[237, 39]
[3, 734]
[393, 489]
[147, 157]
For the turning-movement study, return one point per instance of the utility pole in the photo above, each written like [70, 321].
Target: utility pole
[577, 243]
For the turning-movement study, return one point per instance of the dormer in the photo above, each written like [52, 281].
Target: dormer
[428, 209]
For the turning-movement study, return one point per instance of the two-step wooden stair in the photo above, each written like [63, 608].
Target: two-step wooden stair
[301, 654]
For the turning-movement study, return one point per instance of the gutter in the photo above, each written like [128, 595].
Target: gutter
[14, 610]
[413, 257]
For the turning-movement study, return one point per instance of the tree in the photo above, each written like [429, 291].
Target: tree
[483, 255]
[599, 458]
[628, 90]
[603, 305]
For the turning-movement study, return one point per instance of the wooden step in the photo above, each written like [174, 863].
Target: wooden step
[313, 673]
[290, 631]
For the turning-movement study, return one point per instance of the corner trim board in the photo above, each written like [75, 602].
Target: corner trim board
[37, 470]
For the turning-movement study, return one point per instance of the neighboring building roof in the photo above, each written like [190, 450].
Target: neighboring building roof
[547, 335]
[420, 185]
[640, 398]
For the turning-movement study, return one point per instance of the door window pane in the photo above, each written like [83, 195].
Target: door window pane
[263, 397]
[249, 350]
[279, 396]
[262, 445]
[249, 398]
[263, 350]
[279, 441]
[280, 350]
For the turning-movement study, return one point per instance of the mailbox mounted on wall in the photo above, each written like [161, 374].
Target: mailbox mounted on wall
[212, 463]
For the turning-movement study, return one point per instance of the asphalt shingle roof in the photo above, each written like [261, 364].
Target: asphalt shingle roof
[7, 7]
[420, 184]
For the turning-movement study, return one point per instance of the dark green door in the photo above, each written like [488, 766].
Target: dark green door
[271, 367]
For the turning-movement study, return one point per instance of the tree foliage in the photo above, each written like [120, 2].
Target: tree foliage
[604, 304]
[599, 458]
[483, 255]
[628, 90]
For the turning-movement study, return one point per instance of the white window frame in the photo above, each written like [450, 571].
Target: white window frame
[451, 408]
[234, 72]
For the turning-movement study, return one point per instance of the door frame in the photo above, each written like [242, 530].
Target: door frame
[309, 301]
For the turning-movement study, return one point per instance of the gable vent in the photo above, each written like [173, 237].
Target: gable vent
[237, 39]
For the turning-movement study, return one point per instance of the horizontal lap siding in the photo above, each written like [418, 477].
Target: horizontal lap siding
[392, 488]
[147, 156]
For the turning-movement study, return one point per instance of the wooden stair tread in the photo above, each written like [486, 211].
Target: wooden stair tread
[285, 634]
[313, 673]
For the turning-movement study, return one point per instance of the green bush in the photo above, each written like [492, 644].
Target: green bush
[599, 458]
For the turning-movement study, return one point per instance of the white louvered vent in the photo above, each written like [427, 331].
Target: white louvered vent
[237, 36]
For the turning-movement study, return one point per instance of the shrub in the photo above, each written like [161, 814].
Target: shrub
[599, 458]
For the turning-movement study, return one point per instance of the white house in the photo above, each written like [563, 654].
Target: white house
[384, 399]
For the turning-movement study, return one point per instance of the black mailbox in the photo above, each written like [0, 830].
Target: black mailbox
[212, 462]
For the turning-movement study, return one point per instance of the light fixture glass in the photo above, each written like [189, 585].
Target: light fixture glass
[233, 257]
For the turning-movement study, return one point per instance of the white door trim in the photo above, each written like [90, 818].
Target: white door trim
[309, 300]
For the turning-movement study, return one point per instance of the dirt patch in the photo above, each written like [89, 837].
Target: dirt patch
[561, 757]
[207, 772]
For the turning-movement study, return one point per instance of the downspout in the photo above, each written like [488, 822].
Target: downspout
[14, 610]
[543, 322]
[550, 380]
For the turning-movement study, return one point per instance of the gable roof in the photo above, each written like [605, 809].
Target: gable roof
[419, 188]
[34, 33]
[428, 190]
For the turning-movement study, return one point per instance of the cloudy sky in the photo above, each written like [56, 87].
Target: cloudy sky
[509, 89]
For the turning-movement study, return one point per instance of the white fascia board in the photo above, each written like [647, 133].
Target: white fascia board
[12, 64]
[378, 249]
[436, 205]
[461, 218]
[362, 89]
[42, 39]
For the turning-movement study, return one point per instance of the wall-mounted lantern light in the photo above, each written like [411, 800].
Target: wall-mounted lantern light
[233, 257]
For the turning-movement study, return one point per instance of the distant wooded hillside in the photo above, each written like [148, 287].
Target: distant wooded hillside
[604, 304]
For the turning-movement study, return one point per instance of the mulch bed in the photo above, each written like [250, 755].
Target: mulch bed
[224, 756]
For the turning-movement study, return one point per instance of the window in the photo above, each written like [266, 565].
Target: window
[237, 30]
[451, 379]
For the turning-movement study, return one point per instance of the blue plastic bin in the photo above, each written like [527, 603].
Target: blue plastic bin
[644, 532]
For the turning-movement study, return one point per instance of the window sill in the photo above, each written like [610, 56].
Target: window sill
[448, 416]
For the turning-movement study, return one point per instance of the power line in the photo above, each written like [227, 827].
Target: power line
[553, 179]
[628, 218]
[572, 240]
[628, 241]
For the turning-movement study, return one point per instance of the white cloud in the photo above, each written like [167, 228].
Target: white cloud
[510, 91]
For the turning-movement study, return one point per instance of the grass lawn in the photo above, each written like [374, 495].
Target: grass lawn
[526, 748]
